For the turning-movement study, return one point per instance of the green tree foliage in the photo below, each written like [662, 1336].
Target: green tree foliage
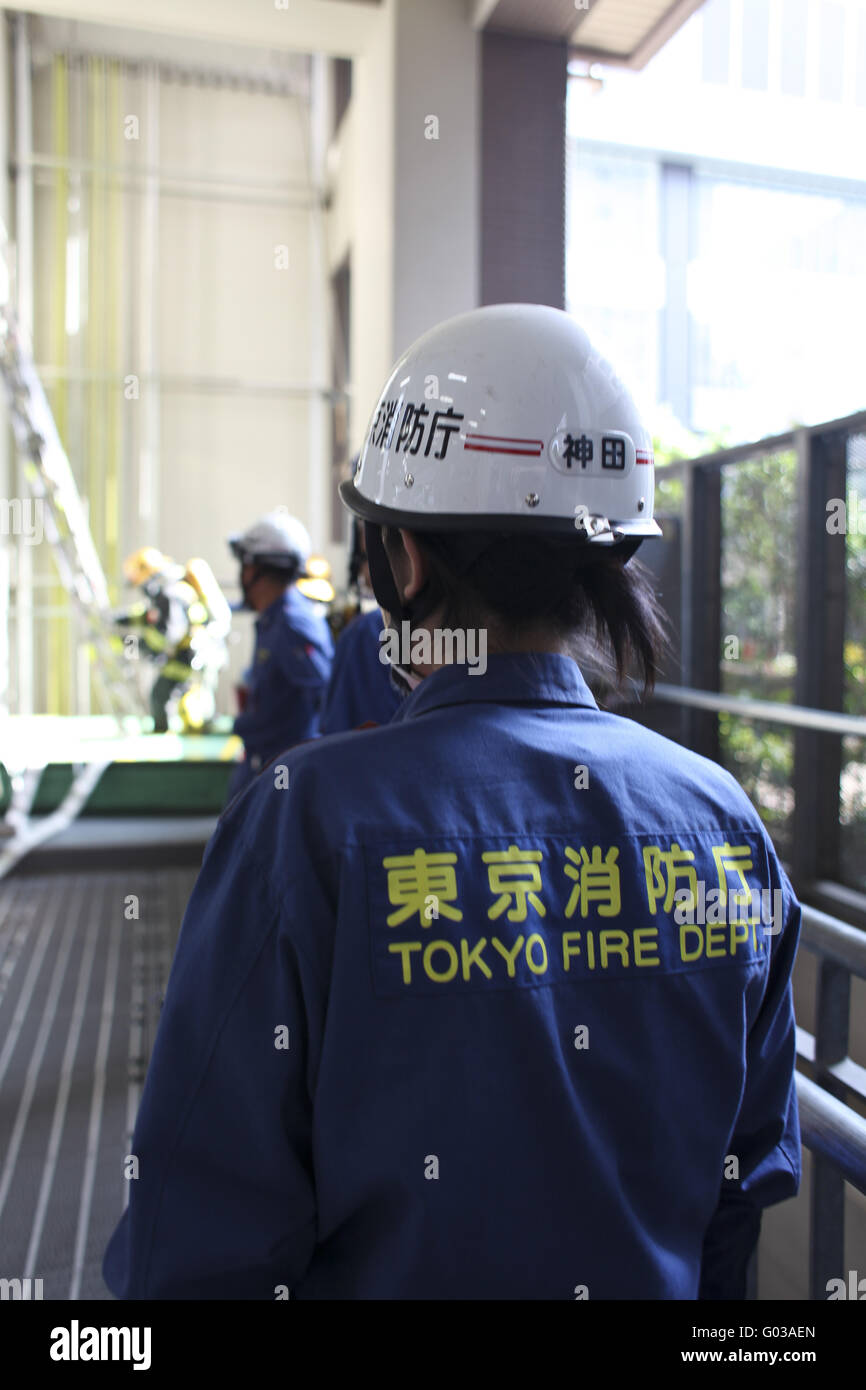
[671, 442]
[759, 504]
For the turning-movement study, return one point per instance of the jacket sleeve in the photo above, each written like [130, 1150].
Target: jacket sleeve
[336, 717]
[766, 1136]
[224, 1205]
[304, 666]
[284, 702]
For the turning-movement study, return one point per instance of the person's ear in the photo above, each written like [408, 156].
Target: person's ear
[416, 567]
[408, 562]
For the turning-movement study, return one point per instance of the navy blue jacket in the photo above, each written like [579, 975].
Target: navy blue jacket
[433, 1029]
[360, 690]
[287, 678]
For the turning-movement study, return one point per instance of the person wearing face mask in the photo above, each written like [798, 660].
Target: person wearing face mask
[438, 1026]
[361, 689]
[283, 688]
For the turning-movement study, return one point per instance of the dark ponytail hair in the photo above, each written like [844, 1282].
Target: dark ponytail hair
[606, 611]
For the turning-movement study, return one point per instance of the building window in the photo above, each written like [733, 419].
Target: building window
[794, 16]
[832, 46]
[717, 41]
[860, 92]
[756, 36]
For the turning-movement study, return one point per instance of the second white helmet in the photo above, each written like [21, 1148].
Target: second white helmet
[278, 539]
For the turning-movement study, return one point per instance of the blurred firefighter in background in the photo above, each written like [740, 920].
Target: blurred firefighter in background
[182, 624]
[280, 699]
[358, 597]
[361, 690]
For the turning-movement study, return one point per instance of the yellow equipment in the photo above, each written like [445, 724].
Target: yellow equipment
[196, 708]
[316, 583]
[183, 625]
[201, 577]
[144, 563]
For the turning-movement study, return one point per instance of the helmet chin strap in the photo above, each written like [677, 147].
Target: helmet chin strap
[384, 587]
[388, 598]
[628, 547]
[462, 551]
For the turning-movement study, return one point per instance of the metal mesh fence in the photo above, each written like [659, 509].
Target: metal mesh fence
[757, 658]
[852, 780]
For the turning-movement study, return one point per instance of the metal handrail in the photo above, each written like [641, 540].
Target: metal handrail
[842, 953]
[834, 940]
[770, 711]
[738, 453]
[833, 1130]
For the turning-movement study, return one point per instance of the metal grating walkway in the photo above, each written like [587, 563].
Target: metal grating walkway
[81, 981]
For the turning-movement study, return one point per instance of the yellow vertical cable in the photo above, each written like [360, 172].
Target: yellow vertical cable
[88, 431]
[94, 434]
[58, 633]
[96, 291]
[115, 301]
[87, 324]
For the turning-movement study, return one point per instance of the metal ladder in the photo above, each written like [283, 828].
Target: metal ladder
[51, 481]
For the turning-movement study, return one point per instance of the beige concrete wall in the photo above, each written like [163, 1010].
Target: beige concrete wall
[230, 310]
[404, 206]
[305, 26]
[195, 463]
[370, 174]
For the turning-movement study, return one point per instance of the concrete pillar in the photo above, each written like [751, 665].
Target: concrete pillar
[436, 166]
[523, 170]
[416, 175]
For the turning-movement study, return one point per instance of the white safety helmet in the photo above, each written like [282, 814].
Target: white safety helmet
[278, 539]
[507, 419]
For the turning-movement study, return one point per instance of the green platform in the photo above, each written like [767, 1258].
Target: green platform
[147, 774]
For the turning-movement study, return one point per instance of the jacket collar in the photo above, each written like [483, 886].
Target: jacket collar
[530, 678]
[289, 602]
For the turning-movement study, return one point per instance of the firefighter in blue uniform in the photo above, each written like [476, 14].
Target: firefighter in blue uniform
[283, 689]
[360, 690]
[493, 1001]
